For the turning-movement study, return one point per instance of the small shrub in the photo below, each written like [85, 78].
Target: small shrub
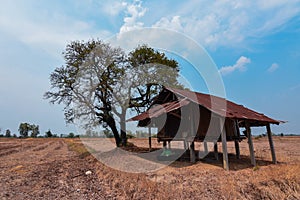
[130, 136]
[256, 168]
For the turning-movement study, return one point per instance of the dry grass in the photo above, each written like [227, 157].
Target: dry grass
[76, 146]
[55, 168]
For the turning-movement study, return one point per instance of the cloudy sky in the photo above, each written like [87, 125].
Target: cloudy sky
[254, 44]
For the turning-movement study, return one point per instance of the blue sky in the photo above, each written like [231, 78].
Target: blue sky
[254, 44]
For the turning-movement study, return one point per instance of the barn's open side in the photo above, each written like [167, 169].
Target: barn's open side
[183, 115]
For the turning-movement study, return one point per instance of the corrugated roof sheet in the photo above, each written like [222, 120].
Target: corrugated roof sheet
[215, 104]
[222, 106]
[160, 109]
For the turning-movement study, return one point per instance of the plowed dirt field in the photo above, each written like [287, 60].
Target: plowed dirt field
[63, 169]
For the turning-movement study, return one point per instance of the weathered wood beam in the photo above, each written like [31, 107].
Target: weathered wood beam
[250, 143]
[164, 144]
[236, 141]
[271, 143]
[169, 144]
[216, 151]
[185, 144]
[192, 152]
[237, 149]
[150, 142]
[205, 147]
[224, 145]
[192, 145]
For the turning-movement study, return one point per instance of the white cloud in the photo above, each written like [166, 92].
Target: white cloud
[273, 67]
[229, 23]
[50, 32]
[174, 23]
[134, 12]
[113, 8]
[240, 65]
[267, 4]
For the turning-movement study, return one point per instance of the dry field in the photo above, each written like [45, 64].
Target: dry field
[56, 169]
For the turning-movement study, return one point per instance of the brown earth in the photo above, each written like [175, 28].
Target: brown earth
[56, 169]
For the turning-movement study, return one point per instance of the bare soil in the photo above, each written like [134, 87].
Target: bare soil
[56, 169]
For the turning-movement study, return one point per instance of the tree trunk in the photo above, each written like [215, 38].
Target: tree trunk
[123, 127]
[112, 124]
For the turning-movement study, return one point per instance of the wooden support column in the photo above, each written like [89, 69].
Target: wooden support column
[192, 152]
[237, 149]
[250, 143]
[185, 145]
[205, 147]
[271, 143]
[169, 144]
[216, 151]
[236, 141]
[150, 142]
[164, 144]
[192, 145]
[224, 145]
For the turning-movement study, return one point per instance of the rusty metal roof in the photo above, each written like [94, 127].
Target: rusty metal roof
[215, 104]
[160, 109]
[223, 107]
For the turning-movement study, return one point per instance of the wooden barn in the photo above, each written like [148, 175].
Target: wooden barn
[183, 115]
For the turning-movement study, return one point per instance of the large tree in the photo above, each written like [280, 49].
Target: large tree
[98, 83]
[7, 133]
[24, 128]
[35, 130]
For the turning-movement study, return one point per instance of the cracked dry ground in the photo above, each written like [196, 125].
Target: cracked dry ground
[51, 169]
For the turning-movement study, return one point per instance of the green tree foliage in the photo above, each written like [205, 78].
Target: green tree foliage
[24, 128]
[7, 133]
[156, 70]
[48, 134]
[98, 83]
[71, 135]
[34, 130]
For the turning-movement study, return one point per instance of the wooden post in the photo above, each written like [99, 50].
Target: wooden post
[271, 143]
[150, 145]
[185, 144]
[216, 151]
[192, 152]
[192, 145]
[205, 148]
[237, 149]
[250, 143]
[224, 145]
[164, 144]
[237, 140]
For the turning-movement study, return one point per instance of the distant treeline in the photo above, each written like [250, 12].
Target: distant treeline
[274, 134]
[27, 130]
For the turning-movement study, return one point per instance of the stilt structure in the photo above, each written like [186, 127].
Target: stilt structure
[150, 141]
[205, 148]
[250, 143]
[237, 139]
[271, 143]
[192, 152]
[181, 111]
[216, 151]
[224, 145]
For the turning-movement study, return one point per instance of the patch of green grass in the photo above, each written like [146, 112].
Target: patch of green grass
[256, 168]
[78, 147]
